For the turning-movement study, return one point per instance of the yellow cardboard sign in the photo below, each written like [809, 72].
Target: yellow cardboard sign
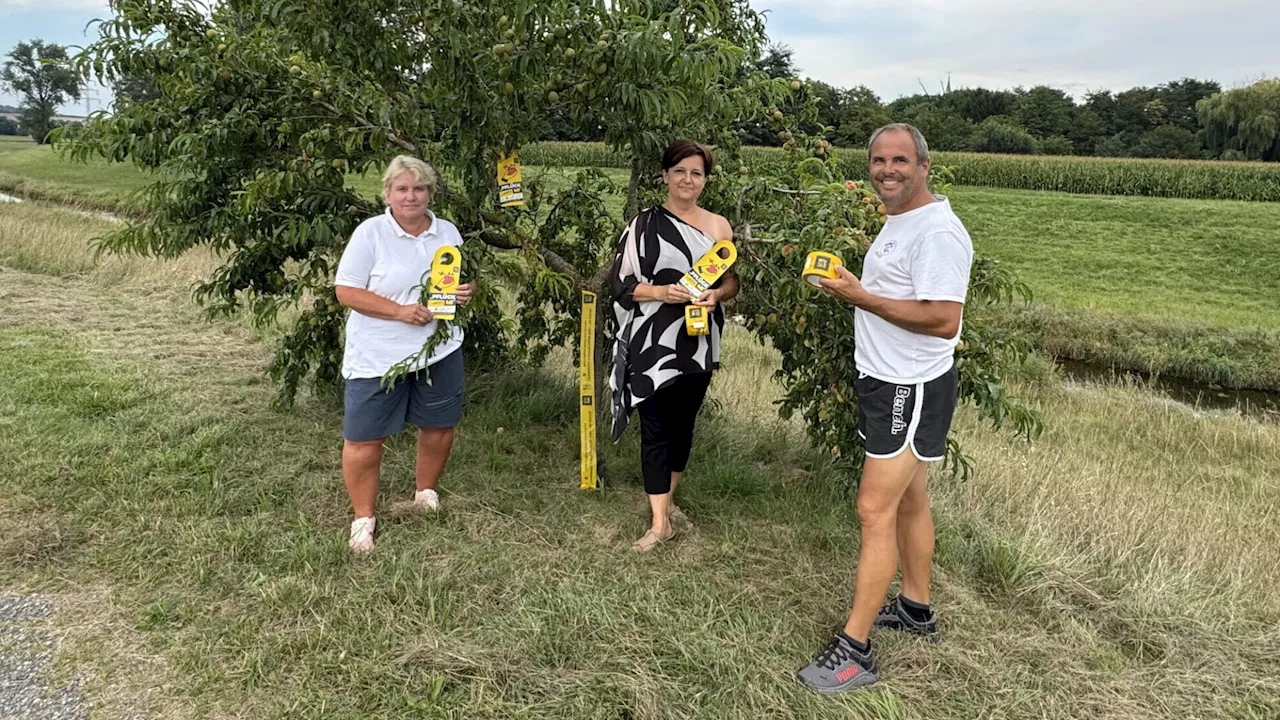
[709, 268]
[446, 275]
[510, 190]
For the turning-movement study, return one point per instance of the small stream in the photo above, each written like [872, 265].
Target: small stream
[1256, 404]
[9, 198]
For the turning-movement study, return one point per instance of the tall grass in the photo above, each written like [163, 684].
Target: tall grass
[1203, 179]
[54, 241]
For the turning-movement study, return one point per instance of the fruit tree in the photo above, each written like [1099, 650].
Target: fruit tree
[269, 113]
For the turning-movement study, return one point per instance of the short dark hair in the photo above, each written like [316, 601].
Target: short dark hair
[681, 149]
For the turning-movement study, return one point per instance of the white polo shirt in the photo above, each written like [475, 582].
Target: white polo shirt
[384, 259]
[924, 254]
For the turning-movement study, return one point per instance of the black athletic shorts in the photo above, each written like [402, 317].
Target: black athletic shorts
[892, 417]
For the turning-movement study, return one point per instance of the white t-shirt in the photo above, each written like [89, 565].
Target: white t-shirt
[924, 254]
[384, 259]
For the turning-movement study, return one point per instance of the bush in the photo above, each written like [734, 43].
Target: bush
[1057, 145]
[996, 135]
[1168, 141]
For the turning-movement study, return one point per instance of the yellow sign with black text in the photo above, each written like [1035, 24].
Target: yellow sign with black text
[587, 393]
[446, 275]
[710, 267]
[510, 189]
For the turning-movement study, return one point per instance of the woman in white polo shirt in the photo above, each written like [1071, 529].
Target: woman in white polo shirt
[380, 278]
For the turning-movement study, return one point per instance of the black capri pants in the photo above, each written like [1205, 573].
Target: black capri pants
[666, 429]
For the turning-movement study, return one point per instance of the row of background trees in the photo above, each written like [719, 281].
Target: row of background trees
[1186, 118]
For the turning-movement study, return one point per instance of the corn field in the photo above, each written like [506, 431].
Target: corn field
[1200, 179]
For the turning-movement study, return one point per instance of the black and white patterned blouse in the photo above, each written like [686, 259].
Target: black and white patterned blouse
[652, 347]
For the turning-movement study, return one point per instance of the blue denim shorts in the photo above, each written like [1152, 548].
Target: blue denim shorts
[428, 398]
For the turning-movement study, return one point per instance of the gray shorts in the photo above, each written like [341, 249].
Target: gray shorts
[371, 413]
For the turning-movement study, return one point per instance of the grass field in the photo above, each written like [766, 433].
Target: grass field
[193, 541]
[1181, 287]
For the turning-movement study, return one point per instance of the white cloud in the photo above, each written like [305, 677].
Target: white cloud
[17, 6]
[1076, 45]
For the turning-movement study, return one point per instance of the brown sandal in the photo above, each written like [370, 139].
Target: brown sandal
[651, 540]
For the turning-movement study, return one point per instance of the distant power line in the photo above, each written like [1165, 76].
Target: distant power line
[90, 96]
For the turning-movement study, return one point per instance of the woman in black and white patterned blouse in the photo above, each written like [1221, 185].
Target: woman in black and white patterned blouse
[659, 369]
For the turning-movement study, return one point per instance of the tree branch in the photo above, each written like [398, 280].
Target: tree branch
[795, 192]
[392, 137]
[493, 237]
[560, 265]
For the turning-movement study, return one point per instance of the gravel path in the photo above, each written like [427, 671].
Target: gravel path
[26, 655]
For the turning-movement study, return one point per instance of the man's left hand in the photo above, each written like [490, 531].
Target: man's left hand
[845, 285]
[465, 291]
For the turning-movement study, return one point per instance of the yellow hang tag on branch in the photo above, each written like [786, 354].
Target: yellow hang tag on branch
[446, 275]
[710, 267]
[820, 265]
[510, 190]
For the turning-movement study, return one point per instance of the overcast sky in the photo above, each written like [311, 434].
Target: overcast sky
[892, 46]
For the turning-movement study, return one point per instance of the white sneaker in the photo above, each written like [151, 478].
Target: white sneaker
[426, 499]
[361, 539]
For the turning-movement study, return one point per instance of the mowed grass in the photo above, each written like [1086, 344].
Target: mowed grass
[1123, 567]
[1212, 261]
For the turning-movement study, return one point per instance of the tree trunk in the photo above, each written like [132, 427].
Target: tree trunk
[633, 192]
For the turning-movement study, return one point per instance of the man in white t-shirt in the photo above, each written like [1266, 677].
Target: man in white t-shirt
[907, 318]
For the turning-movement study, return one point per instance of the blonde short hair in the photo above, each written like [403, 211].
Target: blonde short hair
[421, 170]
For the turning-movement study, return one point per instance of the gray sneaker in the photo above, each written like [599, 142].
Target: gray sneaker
[895, 617]
[839, 668]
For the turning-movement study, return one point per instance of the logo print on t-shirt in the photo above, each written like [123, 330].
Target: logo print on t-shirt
[886, 248]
